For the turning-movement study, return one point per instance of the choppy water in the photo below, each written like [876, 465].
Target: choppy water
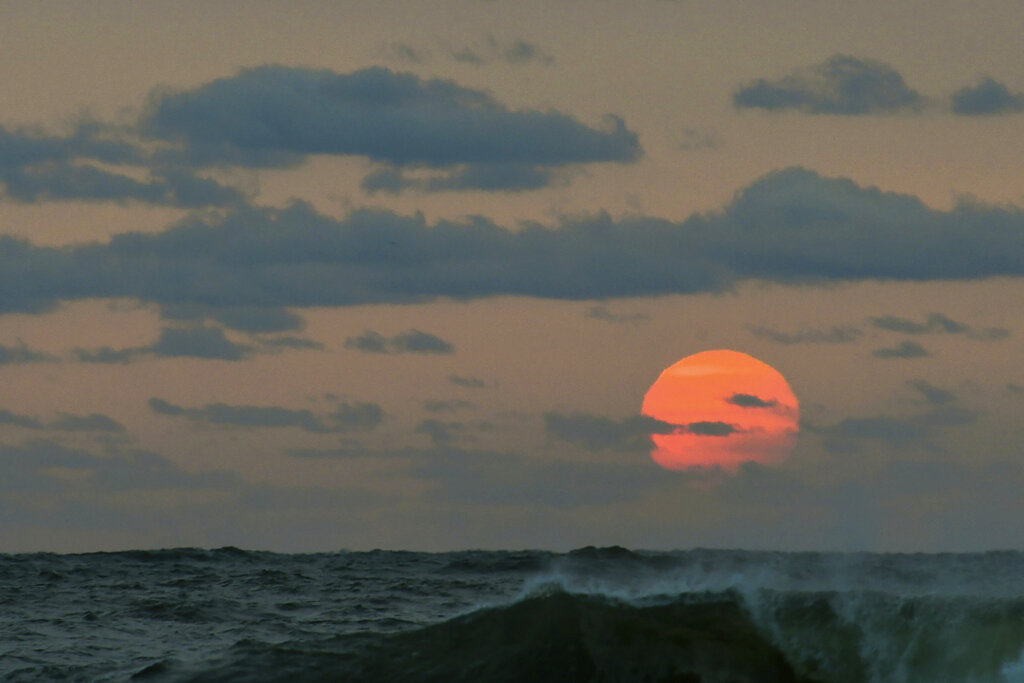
[593, 614]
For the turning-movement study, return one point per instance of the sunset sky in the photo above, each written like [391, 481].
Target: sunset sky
[316, 275]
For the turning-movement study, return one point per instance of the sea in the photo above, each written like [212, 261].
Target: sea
[592, 614]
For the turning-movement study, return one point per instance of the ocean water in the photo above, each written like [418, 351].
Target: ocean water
[595, 614]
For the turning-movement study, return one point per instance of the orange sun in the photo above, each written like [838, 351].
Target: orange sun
[725, 408]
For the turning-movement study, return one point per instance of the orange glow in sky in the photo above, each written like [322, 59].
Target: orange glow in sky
[727, 408]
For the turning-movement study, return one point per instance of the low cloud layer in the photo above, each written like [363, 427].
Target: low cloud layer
[791, 226]
[936, 323]
[347, 417]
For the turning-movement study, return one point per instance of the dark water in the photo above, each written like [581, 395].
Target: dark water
[590, 615]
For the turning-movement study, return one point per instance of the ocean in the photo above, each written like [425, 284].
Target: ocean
[593, 614]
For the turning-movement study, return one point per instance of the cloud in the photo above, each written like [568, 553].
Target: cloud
[709, 428]
[410, 341]
[65, 422]
[601, 312]
[37, 167]
[94, 422]
[515, 52]
[695, 140]
[278, 116]
[833, 335]
[905, 349]
[467, 382]
[986, 98]
[106, 354]
[750, 401]
[197, 342]
[16, 355]
[934, 324]
[791, 226]
[840, 85]
[598, 433]
[348, 417]
[288, 342]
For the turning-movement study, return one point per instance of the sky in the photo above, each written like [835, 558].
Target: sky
[316, 275]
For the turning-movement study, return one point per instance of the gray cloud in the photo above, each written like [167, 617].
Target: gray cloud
[253, 319]
[15, 420]
[750, 401]
[986, 98]
[934, 324]
[288, 342]
[276, 115]
[106, 354]
[598, 433]
[833, 335]
[16, 355]
[840, 85]
[711, 428]
[905, 349]
[601, 312]
[410, 341]
[37, 167]
[197, 342]
[792, 226]
[347, 417]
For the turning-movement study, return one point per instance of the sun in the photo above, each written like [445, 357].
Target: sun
[722, 408]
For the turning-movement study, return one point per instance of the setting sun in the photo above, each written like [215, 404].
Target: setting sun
[726, 408]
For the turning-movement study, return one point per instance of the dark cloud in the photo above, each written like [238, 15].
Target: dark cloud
[750, 401]
[937, 323]
[986, 98]
[277, 115]
[197, 342]
[601, 312]
[709, 428]
[598, 433]
[347, 417]
[15, 420]
[37, 167]
[840, 85]
[467, 382]
[407, 53]
[253, 319]
[905, 349]
[792, 226]
[410, 341]
[833, 335]
[16, 355]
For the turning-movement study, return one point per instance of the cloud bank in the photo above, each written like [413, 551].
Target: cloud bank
[791, 226]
